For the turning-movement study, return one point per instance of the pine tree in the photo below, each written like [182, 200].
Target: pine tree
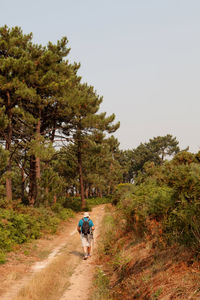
[14, 67]
[52, 80]
[84, 121]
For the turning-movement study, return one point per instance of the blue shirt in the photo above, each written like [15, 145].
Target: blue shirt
[80, 224]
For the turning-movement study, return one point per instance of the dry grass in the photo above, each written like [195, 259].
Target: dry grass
[54, 279]
[146, 270]
[155, 274]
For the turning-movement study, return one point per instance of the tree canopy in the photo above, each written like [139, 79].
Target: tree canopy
[46, 111]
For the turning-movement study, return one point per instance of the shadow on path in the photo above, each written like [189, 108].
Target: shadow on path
[76, 253]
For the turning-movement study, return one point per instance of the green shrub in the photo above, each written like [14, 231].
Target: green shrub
[107, 236]
[17, 227]
[145, 201]
[2, 257]
[5, 240]
[183, 225]
[62, 213]
[97, 201]
[121, 190]
[168, 194]
[3, 201]
[101, 286]
[75, 203]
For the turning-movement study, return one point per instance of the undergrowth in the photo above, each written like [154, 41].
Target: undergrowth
[75, 203]
[108, 236]
[167, 194]
[25, 224]
[102, 286]
[130, 266]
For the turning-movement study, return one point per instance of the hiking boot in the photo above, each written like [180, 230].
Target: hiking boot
[85, 257]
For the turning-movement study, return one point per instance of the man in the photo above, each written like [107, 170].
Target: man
[86, 228]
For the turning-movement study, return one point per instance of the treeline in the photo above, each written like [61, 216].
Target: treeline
[54, 141]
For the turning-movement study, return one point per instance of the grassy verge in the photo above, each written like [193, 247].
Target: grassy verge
[135, 267]
[105, 245]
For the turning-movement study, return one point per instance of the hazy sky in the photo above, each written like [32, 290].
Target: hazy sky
[142, 56]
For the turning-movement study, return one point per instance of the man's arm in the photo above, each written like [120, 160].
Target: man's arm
[79, 229]
[92, 227]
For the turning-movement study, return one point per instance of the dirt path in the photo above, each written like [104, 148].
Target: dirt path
[81, 279]
[65, 247]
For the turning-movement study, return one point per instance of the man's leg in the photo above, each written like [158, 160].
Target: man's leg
[84, 245]
[85, 250]
[89, 250]
[90, 240]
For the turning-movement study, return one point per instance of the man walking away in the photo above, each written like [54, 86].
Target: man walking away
[86, 228]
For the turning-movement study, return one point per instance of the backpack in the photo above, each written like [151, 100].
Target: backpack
[86, 227]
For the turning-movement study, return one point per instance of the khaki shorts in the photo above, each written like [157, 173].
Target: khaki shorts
[86, 240]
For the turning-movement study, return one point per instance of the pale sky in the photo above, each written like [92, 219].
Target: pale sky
[142, 56]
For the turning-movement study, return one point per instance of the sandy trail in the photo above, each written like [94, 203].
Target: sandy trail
[81, 279]
[67, 242]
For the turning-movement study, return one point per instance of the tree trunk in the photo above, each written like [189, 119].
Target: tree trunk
[47, 193]
[108, 190]
[86, 192]
[36, 165]
[37, 158]
[8, 189]
[77, 192]
[53, 131]
[22, 184]
[33, 181]
[79, 154]
[34, 170]
[100, 193]
[90, 191]
[8, 145]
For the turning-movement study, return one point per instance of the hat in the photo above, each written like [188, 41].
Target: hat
[86, 215]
